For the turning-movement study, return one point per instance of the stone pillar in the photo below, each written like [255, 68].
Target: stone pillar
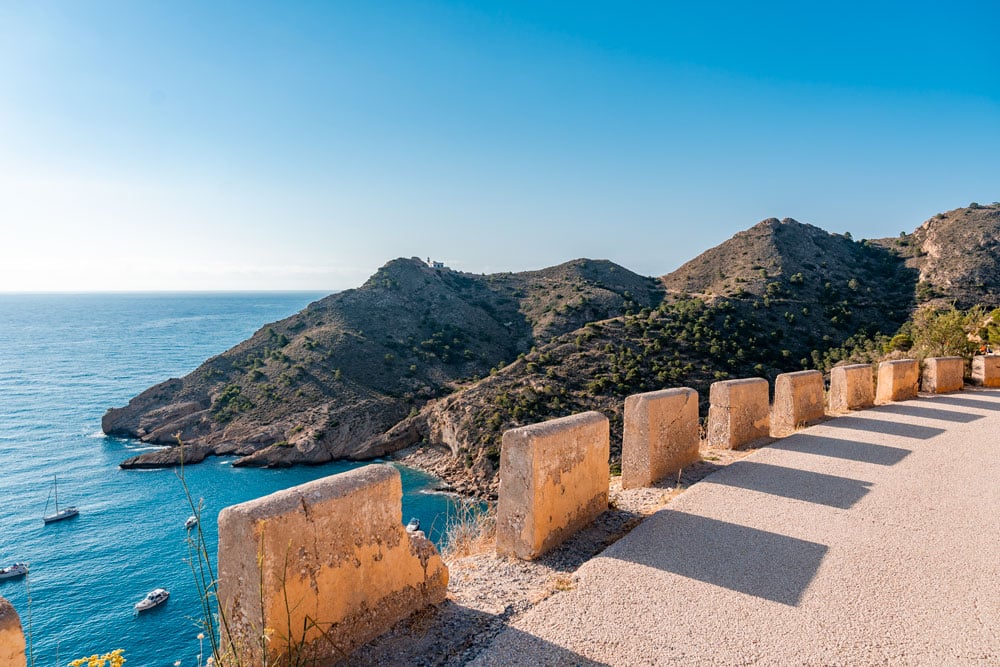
[739, 412]
[986, 371]
[11, 637]
[660, 435]
[329, 559]
[897, 380]
[851, 388]
[553, 481]
[943, 374]
[798, 400]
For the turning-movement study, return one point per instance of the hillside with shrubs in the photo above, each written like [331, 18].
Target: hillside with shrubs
[444, 362]
[325, 382]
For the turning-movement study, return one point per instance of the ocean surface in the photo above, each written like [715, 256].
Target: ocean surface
[65, 359]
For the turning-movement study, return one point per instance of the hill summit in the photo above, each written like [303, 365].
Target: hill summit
[321, 384]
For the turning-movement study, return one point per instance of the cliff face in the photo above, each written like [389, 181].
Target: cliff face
[957, 255]
[327, 382]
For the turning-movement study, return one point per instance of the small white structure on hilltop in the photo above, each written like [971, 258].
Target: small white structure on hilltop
[435, 265]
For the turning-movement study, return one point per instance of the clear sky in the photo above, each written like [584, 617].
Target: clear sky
[184, 145]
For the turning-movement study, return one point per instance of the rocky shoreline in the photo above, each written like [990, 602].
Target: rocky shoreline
[476, 481]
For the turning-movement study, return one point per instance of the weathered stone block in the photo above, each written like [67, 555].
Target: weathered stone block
[660, 435]
[798, 400]
[11, 637]
[943, 374]
[897, 380]
[851, 388]
[986, 371]
[739, 412]
[336, 566]
[553, 481]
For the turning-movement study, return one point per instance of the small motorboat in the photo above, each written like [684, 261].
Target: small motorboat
[15, 570]
[153, 598]
[191, 522]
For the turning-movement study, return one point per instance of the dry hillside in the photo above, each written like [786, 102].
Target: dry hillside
[440, 362]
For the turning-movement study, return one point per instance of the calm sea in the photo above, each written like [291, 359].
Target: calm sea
[64, 359]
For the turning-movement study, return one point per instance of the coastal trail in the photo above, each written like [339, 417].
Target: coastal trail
[869, 539]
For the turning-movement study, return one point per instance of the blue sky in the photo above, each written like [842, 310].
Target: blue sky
[300, 145]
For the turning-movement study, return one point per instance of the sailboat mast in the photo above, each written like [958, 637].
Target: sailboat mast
[55, 486]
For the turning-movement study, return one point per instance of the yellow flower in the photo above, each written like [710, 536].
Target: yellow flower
[112, 659]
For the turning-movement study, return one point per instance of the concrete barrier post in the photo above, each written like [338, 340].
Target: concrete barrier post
[986, 371]
[11, 636]
[897, 380]
[553, 481]
[660, 435]
[943, 374]
[335, 565]
[851, 388]
[798, 400]
[739, 412]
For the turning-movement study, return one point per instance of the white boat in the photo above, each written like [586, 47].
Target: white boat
[15, 570]
[153, 598]
[60, 514]
[191, 522]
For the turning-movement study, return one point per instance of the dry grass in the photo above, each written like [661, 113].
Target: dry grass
[469, 530]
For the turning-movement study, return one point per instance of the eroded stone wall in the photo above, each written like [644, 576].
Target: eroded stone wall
[660, 435]
[798, 401]
[739, 412]
[897, 380]
[334, 558]
[943, 374]
[11, 637]
[851, 388]
[986, 371]
[553, 481]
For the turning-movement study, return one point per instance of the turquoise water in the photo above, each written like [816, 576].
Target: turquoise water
[64, 359]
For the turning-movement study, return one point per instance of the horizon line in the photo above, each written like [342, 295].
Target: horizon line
[167, 291]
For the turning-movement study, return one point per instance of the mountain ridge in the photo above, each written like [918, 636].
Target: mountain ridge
[420, 356]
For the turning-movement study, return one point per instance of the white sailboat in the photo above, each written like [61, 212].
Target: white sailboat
[60, 514]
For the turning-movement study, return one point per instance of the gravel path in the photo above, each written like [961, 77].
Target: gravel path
[870, 539]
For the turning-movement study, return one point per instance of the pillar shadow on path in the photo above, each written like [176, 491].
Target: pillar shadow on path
[885, 426]
[851, 450]
[915, 410]
[964, 402]
[744, 559]
[805, 485]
